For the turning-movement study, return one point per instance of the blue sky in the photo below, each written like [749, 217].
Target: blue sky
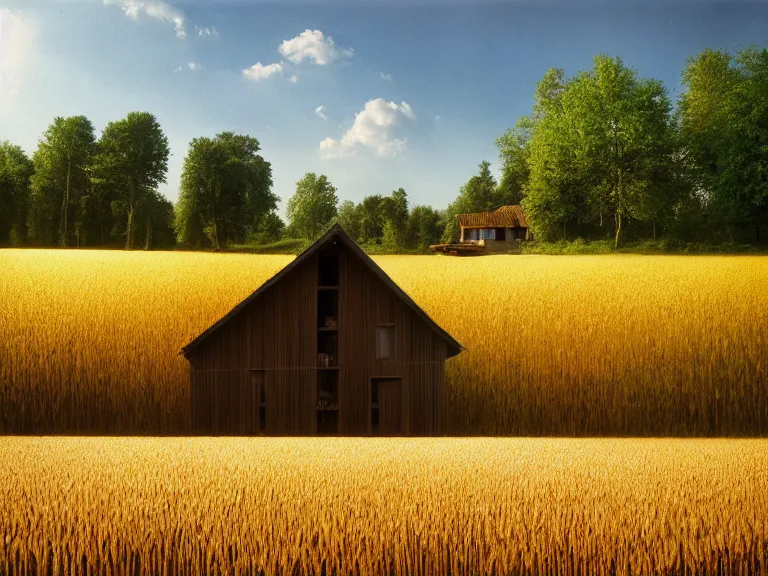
[413, 94]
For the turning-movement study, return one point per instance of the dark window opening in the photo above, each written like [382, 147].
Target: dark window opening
[327, 350]
[327, 389]
[328, 309]
[328, 265]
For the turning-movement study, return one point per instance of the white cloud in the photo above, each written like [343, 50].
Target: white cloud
[154, 9]
[17, 39]
[293, 79]
[322, 111]
[313, 45]
[207, 32]
[372, 129]
[260, 71]
[387, 77]
[191, 66]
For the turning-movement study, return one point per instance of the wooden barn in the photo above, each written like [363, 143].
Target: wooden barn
[329, 345]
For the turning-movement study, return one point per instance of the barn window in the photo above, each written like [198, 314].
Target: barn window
[385, 342]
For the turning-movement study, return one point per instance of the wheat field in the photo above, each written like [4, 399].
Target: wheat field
[429, 507]
[556, 345]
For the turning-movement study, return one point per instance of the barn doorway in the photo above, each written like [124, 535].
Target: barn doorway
[386, 406]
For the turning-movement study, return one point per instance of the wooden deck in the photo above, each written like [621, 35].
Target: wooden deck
[460, 249]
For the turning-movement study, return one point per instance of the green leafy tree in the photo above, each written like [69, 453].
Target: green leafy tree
[390, 237]
[479, 194]
[724, 126]
[15, 171]
[395, 209]
[513, 152]
[602, 144]
[132, 161]
[313, 206]
[270, 228]
[155, 222]
[350, 218]
[424, 228]
[226, 190]
[372, 219]
[61, 183]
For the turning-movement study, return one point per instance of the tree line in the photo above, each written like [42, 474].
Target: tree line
[603, 154]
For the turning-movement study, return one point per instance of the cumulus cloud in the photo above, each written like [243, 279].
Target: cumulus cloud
[261, 71]
[387, 77]
[372, 129]
[313, 45]
[154, 9]
[322, 111]
[207, 32]
[18, 33]
[293, 79]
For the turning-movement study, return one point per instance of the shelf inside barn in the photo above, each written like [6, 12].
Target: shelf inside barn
[327, 377]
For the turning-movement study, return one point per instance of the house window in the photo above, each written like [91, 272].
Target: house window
[385, 342]
[488, 234]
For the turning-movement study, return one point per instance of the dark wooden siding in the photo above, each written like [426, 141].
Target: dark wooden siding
[277, 335]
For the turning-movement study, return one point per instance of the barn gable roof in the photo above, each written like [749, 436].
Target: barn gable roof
[338, 232]
[503, 216]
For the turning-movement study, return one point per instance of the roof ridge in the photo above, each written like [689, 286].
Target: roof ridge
[335, 229]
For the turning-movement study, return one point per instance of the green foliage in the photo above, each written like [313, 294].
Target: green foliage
[515, 172]
[602, 146]
[479, 194]
[424, 228]
[15, 171]
[313, 207]
[226, 192]
[390, 238]
[284, 246]
[350, 217]
[60, 185]
[372, 219]
[661, 246]
[724, 123]
[132, 161]
[269, 229]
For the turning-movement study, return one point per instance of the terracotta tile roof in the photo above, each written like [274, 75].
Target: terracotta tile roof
[502, 217]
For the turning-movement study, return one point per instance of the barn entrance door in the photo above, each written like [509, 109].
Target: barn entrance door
[386, 406]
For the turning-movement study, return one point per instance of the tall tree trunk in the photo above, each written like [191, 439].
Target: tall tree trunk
[129, 229]
[148, 239]
[65, 208]
[618, 229]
